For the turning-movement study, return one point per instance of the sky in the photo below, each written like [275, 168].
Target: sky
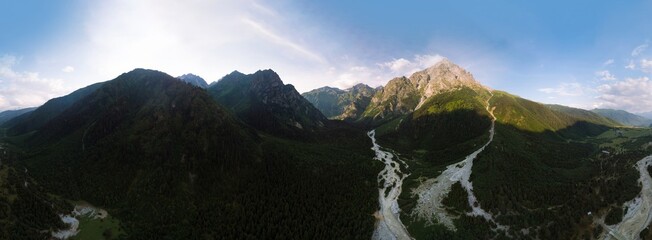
[586, 54]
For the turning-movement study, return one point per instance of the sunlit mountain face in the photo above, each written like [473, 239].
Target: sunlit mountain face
[331, 120]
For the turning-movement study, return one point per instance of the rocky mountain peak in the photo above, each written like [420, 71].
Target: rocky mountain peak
[403, 95]
[361, 87]
[194, 80]
[341, 104]
[443, 76]
[265, 79]
[264, 101]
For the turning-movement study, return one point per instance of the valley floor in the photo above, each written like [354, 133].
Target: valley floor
[388, 224]
[432, 192]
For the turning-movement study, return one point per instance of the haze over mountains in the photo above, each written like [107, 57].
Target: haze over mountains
[624, 117]
[248, 157]
[8, 115]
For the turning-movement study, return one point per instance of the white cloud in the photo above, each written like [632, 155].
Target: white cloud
[632, 94]
[630, 65]
[605, 75]
[404, 67]
[425, 61]
[398, 65]
[380, 73]
[646, 65]
[355, 75]
[640, 49]
[20, 89]
[68, 69]
[608, 62]
[207, 38]
[565, 89]
[283, 41]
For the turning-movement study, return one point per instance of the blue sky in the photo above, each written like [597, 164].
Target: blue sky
[579, 53]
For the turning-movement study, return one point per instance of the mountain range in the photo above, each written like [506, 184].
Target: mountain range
[264, 102]
[249, 157]
[347, 105]
[10, 114]
[624, 117]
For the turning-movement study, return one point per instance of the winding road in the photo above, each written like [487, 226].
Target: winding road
[388, 222]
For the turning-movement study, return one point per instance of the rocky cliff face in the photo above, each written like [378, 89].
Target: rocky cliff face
[359, 97]
[441, 77]
[269, 89]
[403, 95]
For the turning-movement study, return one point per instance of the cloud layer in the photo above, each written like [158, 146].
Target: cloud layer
[380, 73]
[207, 38]
[404, 67]
[632, 94]
[565, 90]
[21, 89]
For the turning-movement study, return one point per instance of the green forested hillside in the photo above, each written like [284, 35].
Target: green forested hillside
[531, 116]
[541, 169]
[10, 114]
[327, 100]
[170, 163]
[265, 103]
[249, 158]
[624, 117]
[25, 207]
[52, 108]
[445, 128]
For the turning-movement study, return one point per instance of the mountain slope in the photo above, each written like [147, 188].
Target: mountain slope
[52, 108]
[438, 113]
[263, 101]
[446, 127]
[25, 207]
[588, 116]
[624, 117]
[341, 104]
[531, 116]
[439, 116]
[194, 80]
[142, 129]
[10, 114]
[170, 163]
[403, 95]
[327, 100]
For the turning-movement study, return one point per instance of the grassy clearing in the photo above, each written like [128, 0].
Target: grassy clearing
[92, 227]
[624, 139]
[95, 228]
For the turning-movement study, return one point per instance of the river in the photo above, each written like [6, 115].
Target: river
[431, 192]
[390, 181]
[639, 214]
